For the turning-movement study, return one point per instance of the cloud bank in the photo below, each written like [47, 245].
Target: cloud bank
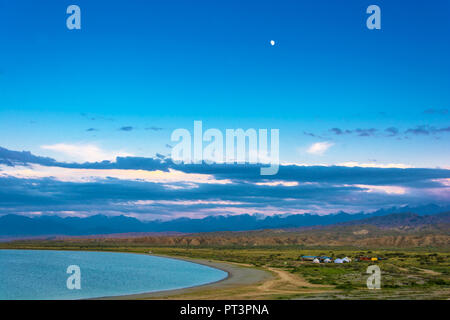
[156, 188]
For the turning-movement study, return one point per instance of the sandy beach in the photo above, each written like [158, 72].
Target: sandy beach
[238, 275]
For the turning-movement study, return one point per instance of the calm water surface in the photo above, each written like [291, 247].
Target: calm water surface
[40, 274]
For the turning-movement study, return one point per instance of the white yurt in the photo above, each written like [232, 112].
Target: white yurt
[346, 259]
[316, 260]
[327, 260]
[338, 261]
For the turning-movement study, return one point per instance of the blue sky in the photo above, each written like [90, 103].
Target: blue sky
[362, 97]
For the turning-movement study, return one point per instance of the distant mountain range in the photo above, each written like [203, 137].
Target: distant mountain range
[403, 220]
[17, 226]
[395, 230]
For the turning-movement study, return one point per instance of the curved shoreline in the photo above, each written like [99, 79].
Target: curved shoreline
[237, 275]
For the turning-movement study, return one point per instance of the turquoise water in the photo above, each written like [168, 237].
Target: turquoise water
[39, 274]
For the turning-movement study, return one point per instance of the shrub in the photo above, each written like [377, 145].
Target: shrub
[438, 281]
[345, 286]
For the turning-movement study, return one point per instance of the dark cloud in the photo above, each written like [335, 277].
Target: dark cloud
[248, 172]
[46, 195]
[366, 132]
[359, 132]
[392, 131]
[331, 187]
[11, 157]
[420, 130]
[310, 134]
[339, 132]
[427, 130]
[126, 128]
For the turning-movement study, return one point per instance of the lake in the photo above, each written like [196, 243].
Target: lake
[41, 274]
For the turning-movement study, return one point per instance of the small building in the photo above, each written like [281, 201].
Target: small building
[327, 260]
[338, 261]
[316, 260]
[346, 260]
[322, 258]
[364, 259]
[308, 258]
[370, 259]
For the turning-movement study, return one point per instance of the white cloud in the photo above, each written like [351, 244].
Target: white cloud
[374, 165]
[184, 202]
[382, 189]
[319, 148]
[35, 171]
[83, 152]
[444, 181]
[278, 183]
